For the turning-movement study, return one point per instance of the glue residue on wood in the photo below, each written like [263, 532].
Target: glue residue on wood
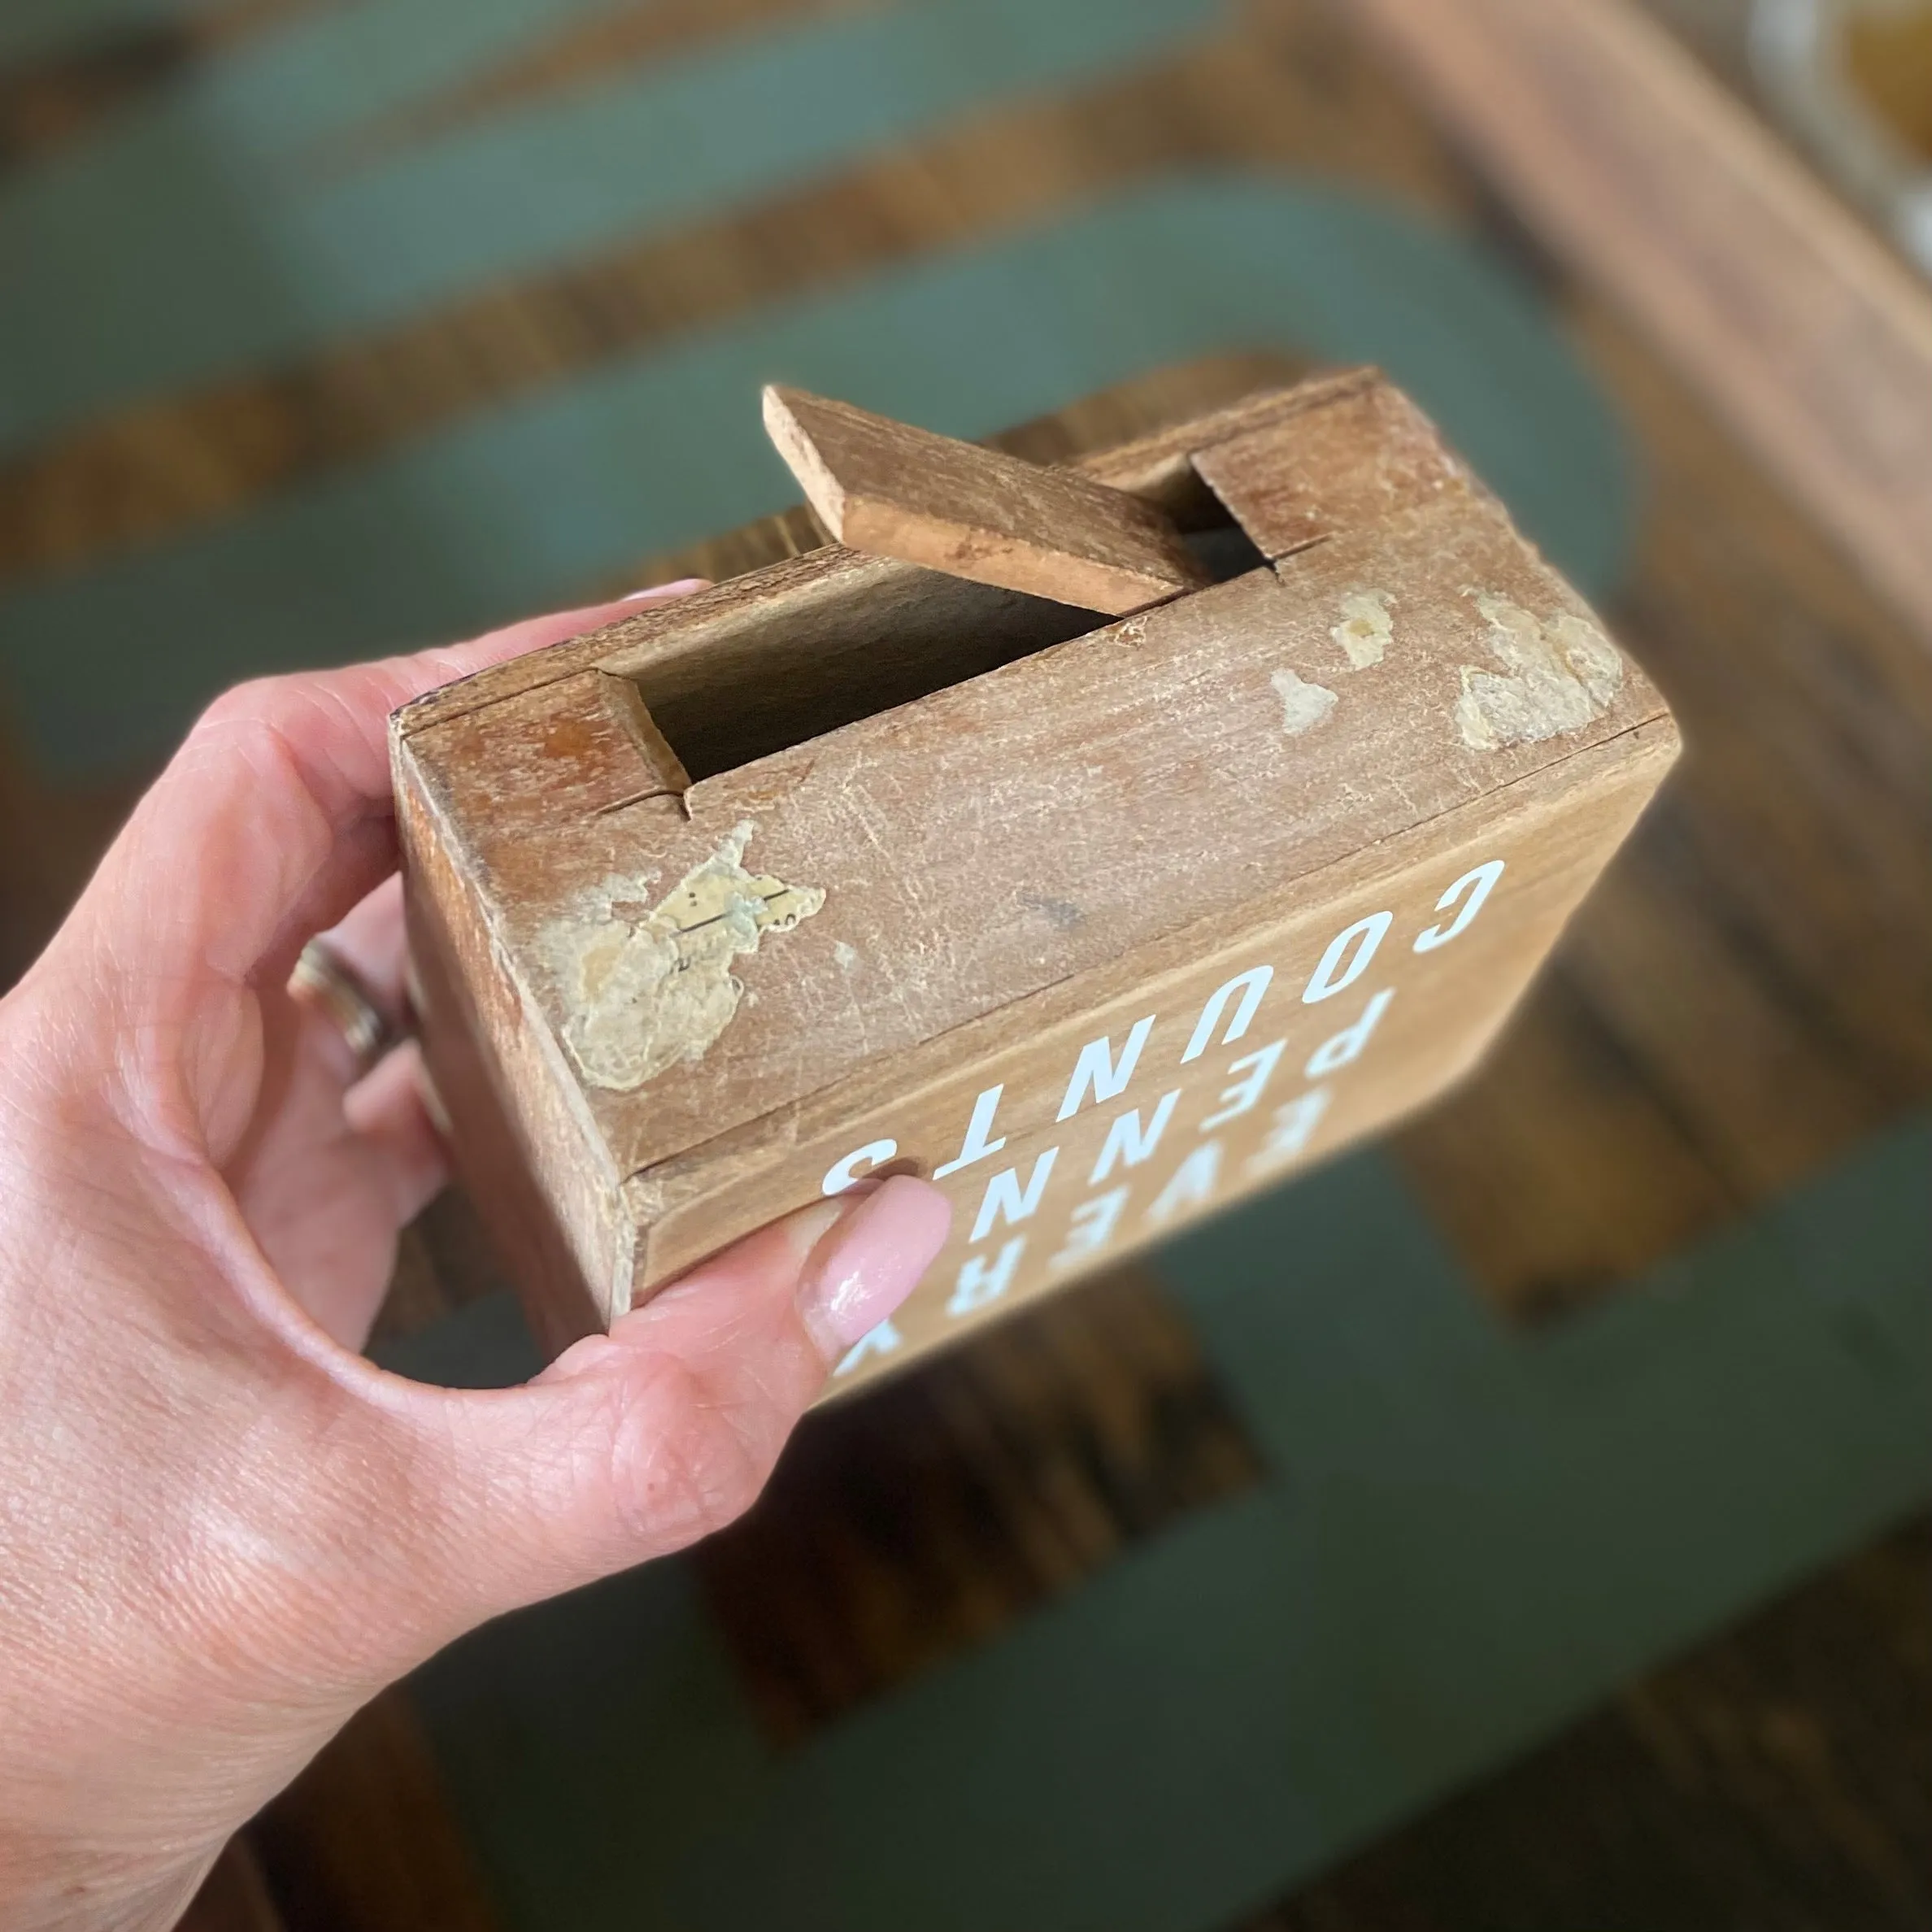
[646, 986]
[1303, 705]
[1366, 628]
[1557, 678]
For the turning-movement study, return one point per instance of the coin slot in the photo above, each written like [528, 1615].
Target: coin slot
[853, 642]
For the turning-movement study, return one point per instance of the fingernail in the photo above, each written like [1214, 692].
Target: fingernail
[683, 587]
[867, 1265]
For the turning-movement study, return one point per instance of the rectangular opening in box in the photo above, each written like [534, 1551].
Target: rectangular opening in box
[859, 640]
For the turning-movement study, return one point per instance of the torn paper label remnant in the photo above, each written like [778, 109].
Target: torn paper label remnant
[1303, 705]
[1557, 677]
[646, 986]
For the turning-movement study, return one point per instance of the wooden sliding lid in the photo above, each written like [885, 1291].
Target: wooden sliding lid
[895, 491]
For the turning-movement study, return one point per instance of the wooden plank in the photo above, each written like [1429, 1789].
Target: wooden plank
[1297, 482]
[894, 491]
[1089, 433]
[1808, 809]
[859, 633]
[1811, 338]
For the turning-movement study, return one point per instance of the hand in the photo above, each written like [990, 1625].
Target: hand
[221, 1529]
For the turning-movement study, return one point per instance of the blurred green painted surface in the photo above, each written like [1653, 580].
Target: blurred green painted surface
[240, 237]
[1470, 1537]
[523, 508]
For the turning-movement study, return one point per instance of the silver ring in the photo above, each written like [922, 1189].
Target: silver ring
[328, 983]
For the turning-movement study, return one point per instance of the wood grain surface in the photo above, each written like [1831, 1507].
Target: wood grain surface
[893, 490]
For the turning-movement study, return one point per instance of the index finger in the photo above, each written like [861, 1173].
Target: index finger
[275, 817]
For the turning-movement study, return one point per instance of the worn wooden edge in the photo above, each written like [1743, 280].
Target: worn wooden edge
[975, 512]
[559, 1224]
[1157, 468]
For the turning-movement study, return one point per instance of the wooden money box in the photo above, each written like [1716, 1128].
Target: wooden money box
[1104, 843]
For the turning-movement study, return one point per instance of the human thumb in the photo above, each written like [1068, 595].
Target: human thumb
[636, 1443]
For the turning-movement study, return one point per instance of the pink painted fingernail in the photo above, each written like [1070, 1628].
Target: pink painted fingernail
[872, 1260]
[681, 588]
